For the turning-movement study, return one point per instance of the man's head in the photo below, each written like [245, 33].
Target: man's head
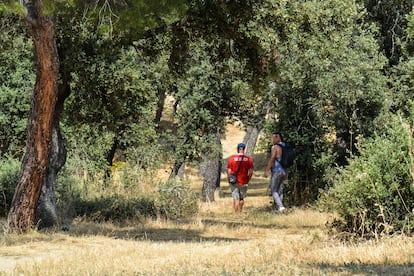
[276, 138]
[241, 147]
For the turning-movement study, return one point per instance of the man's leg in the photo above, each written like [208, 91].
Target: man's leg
[243, 195]
[241, 203]
[283, 178]
[276, 185]
[235, 192]
[236, 205]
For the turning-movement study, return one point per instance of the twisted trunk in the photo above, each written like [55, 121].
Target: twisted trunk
[46, 214]
[36, 160]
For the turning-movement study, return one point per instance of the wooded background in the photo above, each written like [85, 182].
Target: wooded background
[85, 83]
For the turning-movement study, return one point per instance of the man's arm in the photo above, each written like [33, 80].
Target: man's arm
[250, 173]
[271, 161]
[228, 173]
[228, 167]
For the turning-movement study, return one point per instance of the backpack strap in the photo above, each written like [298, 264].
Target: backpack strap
[282, 147]
[238, 169]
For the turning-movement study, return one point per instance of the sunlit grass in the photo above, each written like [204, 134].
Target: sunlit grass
[216, 242]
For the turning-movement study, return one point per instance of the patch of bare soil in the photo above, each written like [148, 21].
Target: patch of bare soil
[8, 263]
[234, 135]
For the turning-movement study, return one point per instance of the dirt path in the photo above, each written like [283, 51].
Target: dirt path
[233, 136]
[8, 263]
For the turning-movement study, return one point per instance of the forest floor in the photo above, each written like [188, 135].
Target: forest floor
[217, 241]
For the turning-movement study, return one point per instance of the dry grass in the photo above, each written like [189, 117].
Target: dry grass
[216, 242]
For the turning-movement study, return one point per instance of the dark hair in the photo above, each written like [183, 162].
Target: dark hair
[278, 134]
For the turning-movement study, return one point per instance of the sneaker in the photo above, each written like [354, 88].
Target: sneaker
[281, 209]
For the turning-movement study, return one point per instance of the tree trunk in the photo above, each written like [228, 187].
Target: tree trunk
[46, 214]
[210, 169]
[109, 156]
[160, 105]
[35, 163]
[177, 170]
[179, 164]
[250, 139]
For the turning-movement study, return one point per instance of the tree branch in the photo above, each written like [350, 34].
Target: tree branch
[34, 9]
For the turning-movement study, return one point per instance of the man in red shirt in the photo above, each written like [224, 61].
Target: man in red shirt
[242, 165]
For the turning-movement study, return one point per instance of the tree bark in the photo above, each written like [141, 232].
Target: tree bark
[46, 213]
[210, 169]
[36, 160]
[178, 170]
[250, 139]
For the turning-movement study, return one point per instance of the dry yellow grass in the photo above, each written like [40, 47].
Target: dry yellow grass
[215, 242]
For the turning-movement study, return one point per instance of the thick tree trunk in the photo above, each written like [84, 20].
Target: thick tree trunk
[250, 139]
[211, 171]
[46, 213]
[35, 163]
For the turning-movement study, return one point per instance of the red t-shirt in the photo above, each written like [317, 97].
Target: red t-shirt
[245, 166]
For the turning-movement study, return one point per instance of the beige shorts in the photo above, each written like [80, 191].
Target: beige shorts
[239, 191]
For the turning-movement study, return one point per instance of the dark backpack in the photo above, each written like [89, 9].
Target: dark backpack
[288, 155]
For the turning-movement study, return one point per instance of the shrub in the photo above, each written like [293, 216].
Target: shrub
[374, 194]
[9, 175]
[85, 190]
[115, 208]
[176, 200]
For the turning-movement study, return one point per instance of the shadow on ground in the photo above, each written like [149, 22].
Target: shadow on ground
[365, 269]
[147, 233]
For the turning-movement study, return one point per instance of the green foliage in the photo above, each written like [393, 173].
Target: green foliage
[87, 147]
[17, 79]
[176, 200]
[111, 88]
[14, 7]
[114, 97]
[127, 198]
[402, 93]
[83, 191]
[206, 96]
[123, 21]
[409, 44]
[330, 86]
[402, 77]
[391, 17]
[112, 83]
[144, 160]
[141, 15]
[315, 65]
[9, 176]
[374, 195]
